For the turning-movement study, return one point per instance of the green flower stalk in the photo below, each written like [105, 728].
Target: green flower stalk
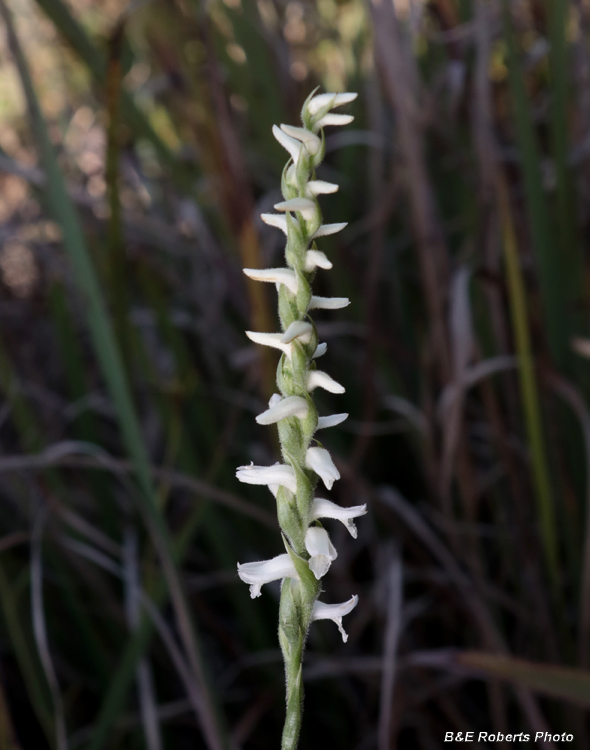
[309, 551]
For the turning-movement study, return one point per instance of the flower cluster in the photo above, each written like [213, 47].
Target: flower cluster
[309, 551]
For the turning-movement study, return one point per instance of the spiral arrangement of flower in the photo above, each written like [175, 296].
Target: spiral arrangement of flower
[309, 551]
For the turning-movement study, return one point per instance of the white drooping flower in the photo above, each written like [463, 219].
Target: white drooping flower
[326, 229]
[316, 259]
[322, 551]
[334, 612]
[292, 406]
[275, 340]
[280, 474]
[304, 206]
[323, 508]
[299, 329]
[320, 187]
[319, 379]
[292, 145]
[320, 461]
[310, 140]
[321, 350]
[265, 571]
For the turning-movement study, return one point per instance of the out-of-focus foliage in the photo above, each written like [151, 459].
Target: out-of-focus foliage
[135, 158]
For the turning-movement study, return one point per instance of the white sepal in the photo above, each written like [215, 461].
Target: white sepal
[270, 339]
[292, 406]
[321, 549]
[293, 146]
[305, 207]
[299, 329]
[276, 275]
[332, 100]
[320, 461]
[323, 508]
[334, 612]
[316, 259]
[320, 187]
[327, 229]
[280, 474]
[275, 220]
[265, 571]
[331, 421]
[312, 142]
[328, 303]
[331, 119]
[317, 378]
[321, 350]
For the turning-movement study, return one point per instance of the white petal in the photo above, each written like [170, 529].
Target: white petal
[334, 612]
[280, 474]
[312, 142]
[331, 100]
[275, 220]
[317, 378]
[299, 329]
[331, 421]
[275, 399]
[277, 275]
[316, 259]
[331, 119]
[323, 508]
[321, 549]
[293, 147]
[306, 207]
[328, 303]
[265, 571]
[327, 229]
[320, 187]
[321, 350]
[292, 406]
[320, 461]
[270, 339]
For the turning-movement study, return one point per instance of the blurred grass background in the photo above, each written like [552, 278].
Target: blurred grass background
[135, 158]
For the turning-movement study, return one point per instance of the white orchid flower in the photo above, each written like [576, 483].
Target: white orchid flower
[276, 220]
[265, 571]
[292, 406]
[320, 461]
[274, 275]
[321, 350]
[322, 508]
[275, 340]
[292, 145]
[331, 421]
[320, 187]
[280, 474]
[331, 119]
[334, 612]
[311, 141]
[299, 329]
[326, 229]
[316, 259]
[322, 551]
[317, 378]
[329, 100]
[328, 303]
[305, 207]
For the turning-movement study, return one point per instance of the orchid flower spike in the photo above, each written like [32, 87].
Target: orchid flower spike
[309, 551]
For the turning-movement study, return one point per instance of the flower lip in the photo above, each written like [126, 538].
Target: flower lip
[334, 612]
[321, 549]
[316, 259]
[265, 571]
[270, 339]
[292, 145]
[327, 229]
[328, 303]
[332, 119]
[320, 187]
[321, 350]
[320, 461]
[281, 474]
[275, 220]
